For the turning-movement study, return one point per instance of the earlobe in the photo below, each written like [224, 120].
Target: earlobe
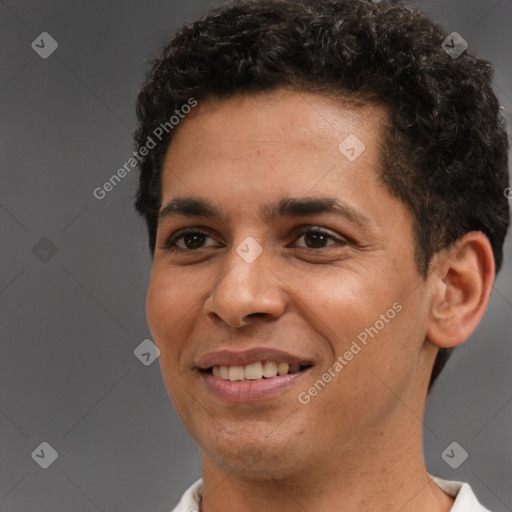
[461, 282]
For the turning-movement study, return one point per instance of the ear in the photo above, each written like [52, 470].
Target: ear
[461, 280]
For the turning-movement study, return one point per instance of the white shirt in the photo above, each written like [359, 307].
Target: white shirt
[465, 499]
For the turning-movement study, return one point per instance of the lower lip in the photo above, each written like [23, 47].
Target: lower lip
[249, 391]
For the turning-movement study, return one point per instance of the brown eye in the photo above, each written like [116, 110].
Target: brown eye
[192, 239]
[316, 238]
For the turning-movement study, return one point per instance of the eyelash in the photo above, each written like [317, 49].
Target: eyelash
[170, 245]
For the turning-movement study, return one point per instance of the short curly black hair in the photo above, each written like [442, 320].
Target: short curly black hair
[445, 154]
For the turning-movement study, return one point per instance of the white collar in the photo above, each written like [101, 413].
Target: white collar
[465, 499]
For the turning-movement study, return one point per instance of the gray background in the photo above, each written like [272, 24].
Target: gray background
[69, 325]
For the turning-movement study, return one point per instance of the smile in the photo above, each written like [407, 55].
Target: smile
[254, 371]
[254, 374]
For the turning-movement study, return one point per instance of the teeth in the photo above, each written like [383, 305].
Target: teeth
[269, 369]
[236, 373]
[223, 372]
[254, 371]
[282, 368]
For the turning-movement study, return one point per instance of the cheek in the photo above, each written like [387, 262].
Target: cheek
[341, 304]
[387, 364]
[158, 301]
[371, 320]
[168, 305]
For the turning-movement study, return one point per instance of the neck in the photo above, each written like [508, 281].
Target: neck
[380, 471]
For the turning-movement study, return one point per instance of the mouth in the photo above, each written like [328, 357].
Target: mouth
[252, 375]
[257, 371]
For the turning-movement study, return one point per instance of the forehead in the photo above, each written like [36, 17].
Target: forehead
[282, 127]
[281, 117]
[283, 143]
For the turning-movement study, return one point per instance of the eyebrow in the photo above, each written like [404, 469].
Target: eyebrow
[193, 207]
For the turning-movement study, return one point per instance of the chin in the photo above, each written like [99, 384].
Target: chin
[254, 457]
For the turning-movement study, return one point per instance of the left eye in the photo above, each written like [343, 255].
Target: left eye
[317, 237]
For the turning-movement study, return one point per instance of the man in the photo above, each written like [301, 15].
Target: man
[324, 194]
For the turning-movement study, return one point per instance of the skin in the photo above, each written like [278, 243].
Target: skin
[357, 445]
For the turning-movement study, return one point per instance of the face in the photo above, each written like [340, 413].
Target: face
[291, 314]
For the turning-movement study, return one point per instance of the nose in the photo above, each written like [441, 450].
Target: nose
[246, 290]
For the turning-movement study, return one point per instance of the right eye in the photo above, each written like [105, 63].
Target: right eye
[192, 240]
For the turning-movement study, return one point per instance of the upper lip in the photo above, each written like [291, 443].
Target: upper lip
[241, 358]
